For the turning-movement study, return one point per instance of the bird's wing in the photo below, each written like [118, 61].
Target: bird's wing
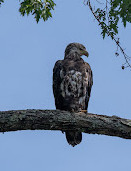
[57, 82]
[89, 83]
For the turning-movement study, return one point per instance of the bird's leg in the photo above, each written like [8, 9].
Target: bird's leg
[83, 111]
[80, 111]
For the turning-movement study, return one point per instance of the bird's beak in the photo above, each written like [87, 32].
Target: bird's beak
[85, 53]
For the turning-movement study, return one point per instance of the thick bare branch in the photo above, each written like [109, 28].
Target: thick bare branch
[63, 120]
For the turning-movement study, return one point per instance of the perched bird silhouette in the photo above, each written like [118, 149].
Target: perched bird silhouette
[72, 82]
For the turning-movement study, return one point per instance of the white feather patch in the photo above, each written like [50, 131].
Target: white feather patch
[73, 84]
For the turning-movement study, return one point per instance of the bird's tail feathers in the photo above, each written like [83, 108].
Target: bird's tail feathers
[73, 137]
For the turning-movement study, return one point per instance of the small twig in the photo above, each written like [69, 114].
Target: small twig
[127, 58]
[99, 2]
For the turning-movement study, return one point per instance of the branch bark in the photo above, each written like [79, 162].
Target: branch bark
[64, 120]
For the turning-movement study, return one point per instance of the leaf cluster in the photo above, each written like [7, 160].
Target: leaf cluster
[111, 14]
[121, 9]
[108, 22]
[38, 8]
[1, 1]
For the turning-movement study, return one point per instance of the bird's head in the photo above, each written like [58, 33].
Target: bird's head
[76, 48]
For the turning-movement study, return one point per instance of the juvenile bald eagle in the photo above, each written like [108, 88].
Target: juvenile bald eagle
[72, 82]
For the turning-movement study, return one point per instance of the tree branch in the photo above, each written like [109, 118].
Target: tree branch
[109, 33]
[64, 120]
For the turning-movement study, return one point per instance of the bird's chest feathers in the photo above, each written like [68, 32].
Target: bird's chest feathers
[74, 83]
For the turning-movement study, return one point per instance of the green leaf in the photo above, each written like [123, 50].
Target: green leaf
[1, 1]
[38, 8]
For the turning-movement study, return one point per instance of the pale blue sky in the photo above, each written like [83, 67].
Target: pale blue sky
[28, 52]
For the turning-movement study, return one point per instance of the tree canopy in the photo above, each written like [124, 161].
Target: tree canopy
[108, 14]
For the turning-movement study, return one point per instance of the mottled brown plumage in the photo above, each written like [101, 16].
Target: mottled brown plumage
[72, 82]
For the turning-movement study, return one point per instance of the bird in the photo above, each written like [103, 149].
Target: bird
[72, 83]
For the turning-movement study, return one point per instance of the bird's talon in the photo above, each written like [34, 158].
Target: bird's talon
[83, 111]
